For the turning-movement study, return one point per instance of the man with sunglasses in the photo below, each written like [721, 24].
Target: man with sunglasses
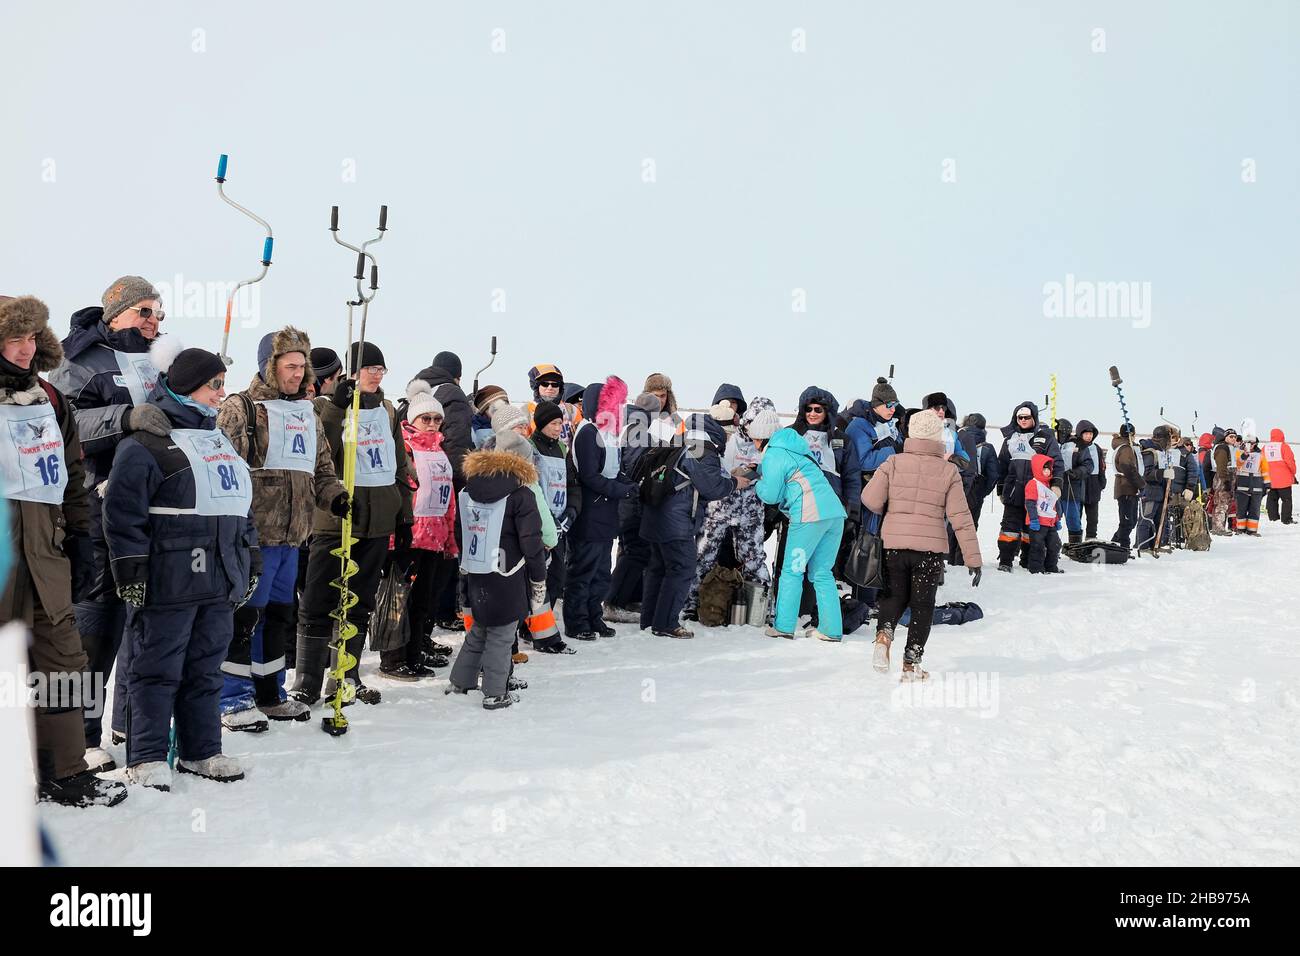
[1023, 438]
[108, 376]
[547, 383]
[277, 431]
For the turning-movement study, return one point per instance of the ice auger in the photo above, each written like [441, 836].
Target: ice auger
[266, 255]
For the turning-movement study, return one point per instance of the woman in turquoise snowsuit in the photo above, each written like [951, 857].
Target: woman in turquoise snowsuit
[791, 479]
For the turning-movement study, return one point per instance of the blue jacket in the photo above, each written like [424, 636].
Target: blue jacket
[847, 484]
[790, 479]
[974, 440]
[184, 558]
[89, 377]
[874, 438]
[733, 392]
[701, 479]
[598, 520]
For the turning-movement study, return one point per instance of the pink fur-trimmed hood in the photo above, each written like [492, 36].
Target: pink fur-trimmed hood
[604, 403]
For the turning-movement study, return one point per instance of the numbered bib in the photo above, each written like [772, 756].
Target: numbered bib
[32, 466]
[554, 473]
[1047, 499]
[1273, 451]
[610, 468]
[819, 446]
[1018, 446]
[376, 451]
[481, 527]
[139, 377]
[433, 472]
[291, 436]
[223, 484]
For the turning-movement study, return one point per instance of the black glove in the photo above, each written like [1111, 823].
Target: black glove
[339, 506]
[974, 577]
[132, 594]
[147, 418]
[342, 395]
[885, 442]
[252, 586]
[81, 555]
[402, 536]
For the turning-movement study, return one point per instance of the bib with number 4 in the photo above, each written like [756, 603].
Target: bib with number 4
[1047, 499]
[222, 482]
[291, 436]
[31, 454]
[433, 472]
[376, 450]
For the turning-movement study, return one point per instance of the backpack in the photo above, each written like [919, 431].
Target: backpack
[1196, 533]
[656, 473]
[1096, 552]
[717, 594]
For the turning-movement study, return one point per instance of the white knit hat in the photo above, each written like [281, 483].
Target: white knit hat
[420, 401]
[506, 417]
[765, 424]
[925, 425]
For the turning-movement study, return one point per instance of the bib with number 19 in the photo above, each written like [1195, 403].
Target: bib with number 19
[433, 472]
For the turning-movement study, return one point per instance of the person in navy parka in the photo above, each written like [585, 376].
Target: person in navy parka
[107, 375]
[1025, 437]
[182, 543]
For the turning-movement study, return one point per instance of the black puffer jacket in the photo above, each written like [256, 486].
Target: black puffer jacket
[1013, 467]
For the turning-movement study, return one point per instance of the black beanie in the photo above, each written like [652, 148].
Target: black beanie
[883, 392]
[324, 363]
[370, 355]
[545, 413]
[193, 368]
[449, 362]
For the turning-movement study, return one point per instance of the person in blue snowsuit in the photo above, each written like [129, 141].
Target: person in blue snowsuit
[182, 543]
[973, 436]
[791, 479]
[108, 376]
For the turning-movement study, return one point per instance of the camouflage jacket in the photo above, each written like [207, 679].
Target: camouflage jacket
[284, 502]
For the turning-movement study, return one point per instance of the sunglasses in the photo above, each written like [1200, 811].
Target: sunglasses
[1024, 418]
[428, 419]
[548, 384]
[890, 404]
[216, 384]
[147, 312]
[816, 409]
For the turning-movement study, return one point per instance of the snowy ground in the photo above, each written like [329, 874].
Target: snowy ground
[1145, 714]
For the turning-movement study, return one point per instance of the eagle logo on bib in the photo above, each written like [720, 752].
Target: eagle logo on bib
[37, 429]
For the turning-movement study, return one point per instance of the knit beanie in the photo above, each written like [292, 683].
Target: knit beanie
[883, 392]
[124, 293]
[370, 355]
[193, 368]
[449, 362]
[420, 400]
[487, 396]
[724, 413]
[765, 423]
[545, 413]
[925, 425]
[506, 417]
[514, 443]
[324, 363]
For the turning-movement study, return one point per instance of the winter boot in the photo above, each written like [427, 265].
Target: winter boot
[621, 615]
[678, 632]
[433, 649]
[155, 775]
[311, 656]
[773, 632]
[82, 790]
[557, 647]
[912, 672]
[1076, 537]
[519, 657]
[515, 683]
[99, 760]
[403, 672]
[880, 652]
[249, 720]
[118, 737]
[497, 703]
[824, 637]
[287, 710]
[219, 767]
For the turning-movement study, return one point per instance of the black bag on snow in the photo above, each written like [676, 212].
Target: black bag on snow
[1096, 552]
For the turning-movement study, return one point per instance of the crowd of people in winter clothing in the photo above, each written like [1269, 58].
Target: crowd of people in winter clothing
[188, 541]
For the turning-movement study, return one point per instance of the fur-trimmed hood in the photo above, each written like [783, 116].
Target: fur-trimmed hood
[491, 475]
[25, 315]
[602, 404]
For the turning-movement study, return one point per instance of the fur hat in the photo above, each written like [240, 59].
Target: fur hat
[883, 392]
[282, 342]
[925, 425]
[420, 400]
[24, 316]
[506, 417]
[659, 382]
[764, 423]
[124, 293]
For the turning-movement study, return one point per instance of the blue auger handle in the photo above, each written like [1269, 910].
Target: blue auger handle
[266, 250]
[221, 168]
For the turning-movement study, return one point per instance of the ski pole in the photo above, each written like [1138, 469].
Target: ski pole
[492, 359]
[1053, 399]
[267, 244]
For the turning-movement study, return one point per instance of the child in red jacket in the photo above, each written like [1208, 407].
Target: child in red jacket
[1041, 518]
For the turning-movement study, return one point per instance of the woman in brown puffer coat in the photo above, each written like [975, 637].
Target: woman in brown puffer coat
[917, 490]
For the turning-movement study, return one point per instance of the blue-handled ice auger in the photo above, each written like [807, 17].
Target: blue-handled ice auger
[267, 245]
[1116, 381]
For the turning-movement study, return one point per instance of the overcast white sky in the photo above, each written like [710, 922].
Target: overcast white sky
[775, 170]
